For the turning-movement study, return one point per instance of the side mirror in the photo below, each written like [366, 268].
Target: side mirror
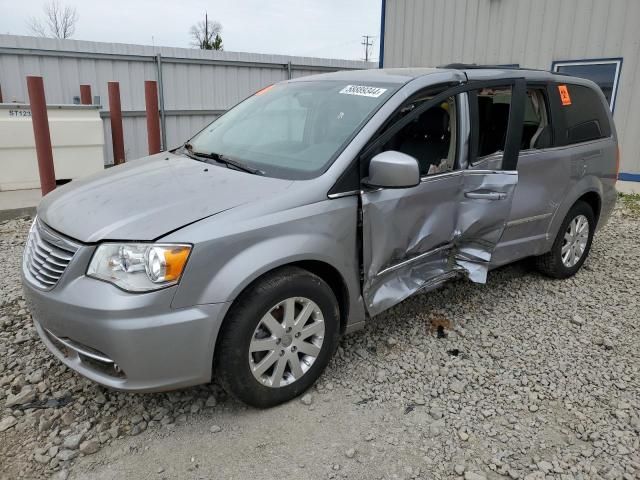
[393, 169]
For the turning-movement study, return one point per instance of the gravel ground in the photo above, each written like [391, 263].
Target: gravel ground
[525, 377]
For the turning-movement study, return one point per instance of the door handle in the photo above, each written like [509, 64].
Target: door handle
[486, 195]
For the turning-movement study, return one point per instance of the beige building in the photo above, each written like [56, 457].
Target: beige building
[596, 39]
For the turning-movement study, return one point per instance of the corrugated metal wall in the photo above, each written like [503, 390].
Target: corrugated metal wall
[530, 33]
[198, 85]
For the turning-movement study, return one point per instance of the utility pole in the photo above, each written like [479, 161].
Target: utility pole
[206, 31]
[367, 41]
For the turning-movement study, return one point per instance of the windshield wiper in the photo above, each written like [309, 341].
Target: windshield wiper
[220, 158]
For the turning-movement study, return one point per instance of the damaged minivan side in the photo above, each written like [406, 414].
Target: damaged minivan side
[453, 216]
[308, 208]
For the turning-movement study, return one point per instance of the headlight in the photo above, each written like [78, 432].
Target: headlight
[139, 267]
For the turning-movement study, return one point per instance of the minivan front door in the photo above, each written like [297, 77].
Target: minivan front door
[414, 239]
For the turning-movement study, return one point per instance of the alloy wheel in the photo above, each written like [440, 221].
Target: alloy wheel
[575, 241]
[286, 342]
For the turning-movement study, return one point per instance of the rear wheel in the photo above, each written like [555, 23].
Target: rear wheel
[278, 337]
[572, 245]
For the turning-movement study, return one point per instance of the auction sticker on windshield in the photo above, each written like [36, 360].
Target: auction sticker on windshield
[363, 91]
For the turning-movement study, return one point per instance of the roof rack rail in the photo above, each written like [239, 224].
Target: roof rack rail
[473, 66]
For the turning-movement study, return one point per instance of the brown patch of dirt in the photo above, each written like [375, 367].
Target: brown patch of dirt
[439, 325]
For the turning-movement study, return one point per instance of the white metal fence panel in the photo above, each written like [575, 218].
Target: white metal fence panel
[197, 86]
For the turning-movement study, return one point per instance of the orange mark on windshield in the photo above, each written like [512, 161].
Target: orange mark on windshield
[264, 90]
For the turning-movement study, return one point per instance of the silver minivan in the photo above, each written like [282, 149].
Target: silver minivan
[308, 208]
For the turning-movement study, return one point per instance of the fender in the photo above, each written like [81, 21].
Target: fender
[291, 236]
[585, 185]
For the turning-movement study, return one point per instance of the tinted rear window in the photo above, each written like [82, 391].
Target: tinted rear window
[584, 114]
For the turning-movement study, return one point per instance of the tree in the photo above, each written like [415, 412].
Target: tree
[59, 21]
[206, 34]
[217, 43]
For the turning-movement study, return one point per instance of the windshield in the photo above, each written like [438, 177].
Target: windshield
[293, 130]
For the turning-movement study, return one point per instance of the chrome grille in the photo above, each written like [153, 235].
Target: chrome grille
[46, 256]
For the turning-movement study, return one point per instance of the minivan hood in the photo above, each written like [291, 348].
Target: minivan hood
[147, 198]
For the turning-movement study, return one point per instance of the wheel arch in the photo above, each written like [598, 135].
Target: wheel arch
[336, 282]
[322, 269]
[593, 199]
[588, 191]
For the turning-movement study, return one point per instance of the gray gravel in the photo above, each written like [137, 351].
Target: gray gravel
[534, 379]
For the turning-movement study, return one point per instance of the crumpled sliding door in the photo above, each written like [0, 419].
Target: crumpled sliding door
[482, 217]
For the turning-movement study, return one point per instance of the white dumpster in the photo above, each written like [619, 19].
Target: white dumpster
[77, 138]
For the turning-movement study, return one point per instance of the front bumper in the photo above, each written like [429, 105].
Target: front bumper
[130, 342]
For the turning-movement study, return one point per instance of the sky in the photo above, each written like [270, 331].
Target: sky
[314, 28]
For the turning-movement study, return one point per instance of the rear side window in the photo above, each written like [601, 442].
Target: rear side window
[536, 129]
[585, 117]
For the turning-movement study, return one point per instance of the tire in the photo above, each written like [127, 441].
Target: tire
[248, 325]
[551, 263]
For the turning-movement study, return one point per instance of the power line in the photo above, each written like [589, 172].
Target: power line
[367, 42]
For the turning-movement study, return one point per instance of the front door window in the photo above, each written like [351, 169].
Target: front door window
[430, 138]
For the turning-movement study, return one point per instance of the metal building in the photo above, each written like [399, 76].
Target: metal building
[596, 39]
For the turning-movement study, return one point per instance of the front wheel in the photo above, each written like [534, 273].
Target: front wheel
[572, 245]
[278, 337]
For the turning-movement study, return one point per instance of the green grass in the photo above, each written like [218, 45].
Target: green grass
[631, 202]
